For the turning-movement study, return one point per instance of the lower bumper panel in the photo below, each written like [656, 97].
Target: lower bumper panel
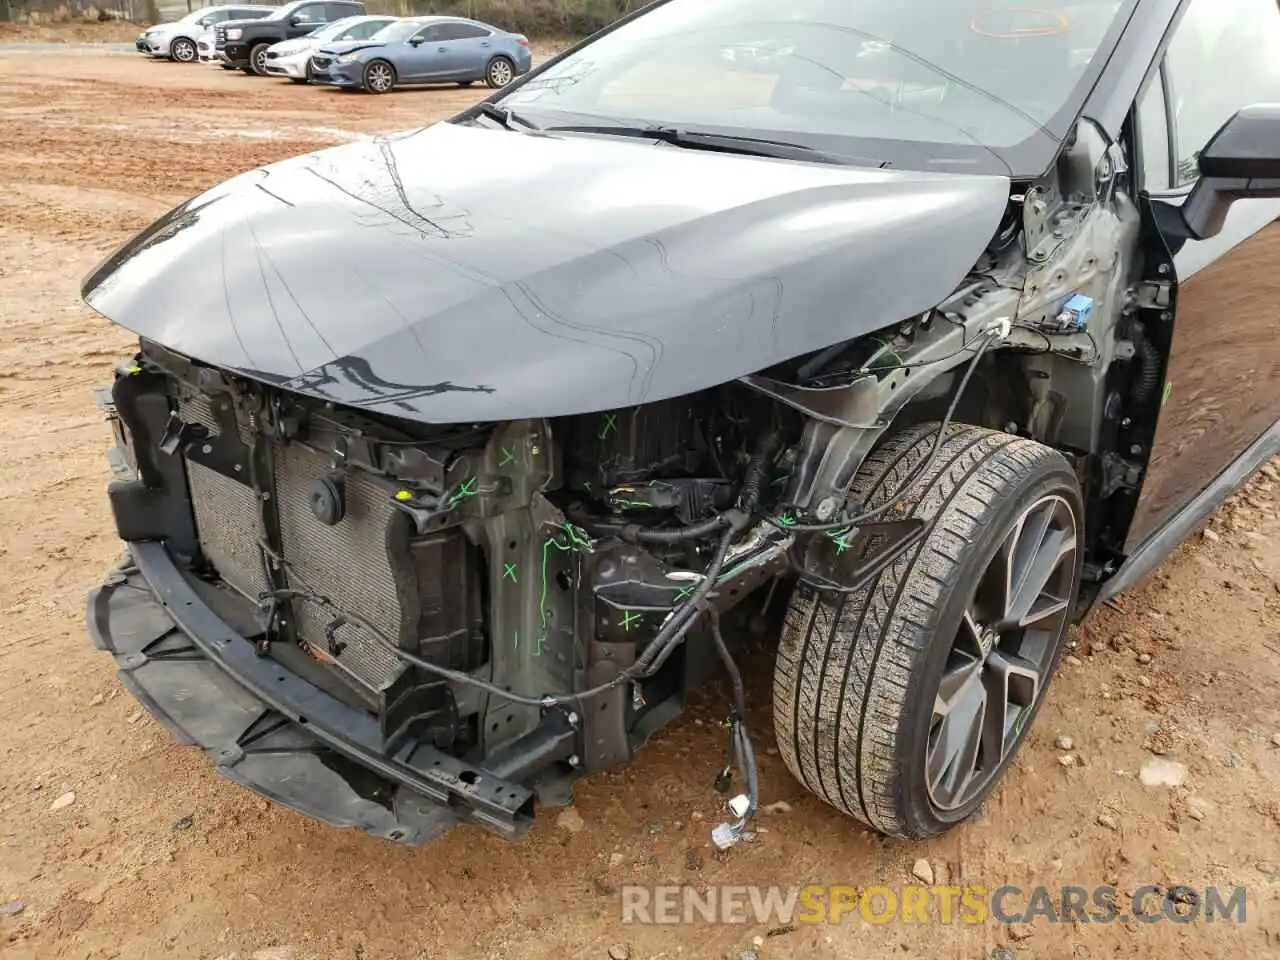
[272, 731]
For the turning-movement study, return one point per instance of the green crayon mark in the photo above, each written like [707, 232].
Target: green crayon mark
[1168, 389]
[509, 572]
[686, 591]
[465, 490]
[610, 426]
[508, 456]
[631, 620]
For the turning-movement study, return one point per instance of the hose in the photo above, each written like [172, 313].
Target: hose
[1148, 371]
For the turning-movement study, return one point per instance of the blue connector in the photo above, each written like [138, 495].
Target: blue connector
[1076, 313]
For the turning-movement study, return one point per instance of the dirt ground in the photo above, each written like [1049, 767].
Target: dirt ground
[155, 856]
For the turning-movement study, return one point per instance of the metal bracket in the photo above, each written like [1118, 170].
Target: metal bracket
[1151, 295]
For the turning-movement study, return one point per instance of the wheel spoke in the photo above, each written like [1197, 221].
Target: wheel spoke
[961, 671]
[1033, 578]
[951, 763]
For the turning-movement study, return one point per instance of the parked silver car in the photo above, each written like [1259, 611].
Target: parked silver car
[292, 58]
[178, 40]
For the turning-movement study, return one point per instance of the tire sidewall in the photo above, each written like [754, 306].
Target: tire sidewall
[1052, 476]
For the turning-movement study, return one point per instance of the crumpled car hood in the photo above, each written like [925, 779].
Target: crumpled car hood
[466, 273]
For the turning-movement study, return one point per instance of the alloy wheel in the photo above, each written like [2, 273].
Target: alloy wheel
[184, 51]
[379, 78]
[1002, 654]
[260, 61]
[500, 73]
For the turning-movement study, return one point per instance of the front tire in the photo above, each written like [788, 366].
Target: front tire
[500, 72]
[183, 50]
[378, 77]
[903, 703]
[258, 59]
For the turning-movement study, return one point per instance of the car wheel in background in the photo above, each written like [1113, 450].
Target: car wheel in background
[379, 77]
[500, 72]
[182, 50]
[258, 59]
[902, 702]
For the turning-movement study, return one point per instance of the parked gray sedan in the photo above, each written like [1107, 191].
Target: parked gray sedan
[424, 50]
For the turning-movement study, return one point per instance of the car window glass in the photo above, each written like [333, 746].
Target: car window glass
[1224, 55]
[457, 31]
[338, 11]
[1153, 137]
[311, 13]
[466, 31]
[428, 34]
[366, 30]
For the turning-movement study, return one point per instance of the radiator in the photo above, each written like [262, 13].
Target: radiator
[348, 562]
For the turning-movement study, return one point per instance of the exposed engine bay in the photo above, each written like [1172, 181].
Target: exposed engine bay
[533, 598]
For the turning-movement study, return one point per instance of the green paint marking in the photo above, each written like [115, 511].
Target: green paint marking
[466, 489]
[586, 486]
[1168, 389]
[842, 542]
[610, 426]
[787, 520]
[509, 572]
[686, 591]
[508, 456]
[578, 537]
[631, 620]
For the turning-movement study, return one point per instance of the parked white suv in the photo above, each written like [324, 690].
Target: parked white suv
[292, 58]
[178, 40]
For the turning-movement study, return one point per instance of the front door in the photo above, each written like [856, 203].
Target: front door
[1222, 386]
[306, 18]
[422, 59]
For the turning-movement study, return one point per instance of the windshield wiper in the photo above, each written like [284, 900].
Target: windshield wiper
[701, 140]
[504, 116]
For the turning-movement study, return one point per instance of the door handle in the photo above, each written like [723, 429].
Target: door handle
[484, 43]
[442, 49]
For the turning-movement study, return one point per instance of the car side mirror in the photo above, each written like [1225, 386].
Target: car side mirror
[416, 41]
[296, 20]
[1240, 162]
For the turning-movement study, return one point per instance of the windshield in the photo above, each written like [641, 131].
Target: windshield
[951, 84]
[400, 30]
[327, 31]
[195, 15]
[281, 13]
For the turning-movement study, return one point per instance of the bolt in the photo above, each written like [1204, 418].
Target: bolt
[1011, 427]
[573, 719]
[1135, 450]
[827, 508]
[237, 468]
[574, 761]
[206, 449]
[1163, 269]
[535, 450]
[1166, 316]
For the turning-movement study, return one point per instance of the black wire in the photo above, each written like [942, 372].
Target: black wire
[739, 736]
[659, 649]
[920, 470]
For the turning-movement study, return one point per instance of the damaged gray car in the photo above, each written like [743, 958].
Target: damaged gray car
[450, 462]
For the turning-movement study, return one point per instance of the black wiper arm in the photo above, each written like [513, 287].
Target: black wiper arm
[504, 115]
[700, 140]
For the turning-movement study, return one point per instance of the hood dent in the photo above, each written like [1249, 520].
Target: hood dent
[459, 273]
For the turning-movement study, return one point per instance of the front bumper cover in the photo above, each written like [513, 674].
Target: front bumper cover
[279, 735]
